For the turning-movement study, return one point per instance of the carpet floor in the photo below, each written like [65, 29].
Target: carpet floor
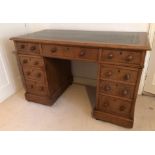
[72, 111]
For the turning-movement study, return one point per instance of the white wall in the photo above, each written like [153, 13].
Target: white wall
[10, 80]
[141, 27]
[32, 27]
[149, 69]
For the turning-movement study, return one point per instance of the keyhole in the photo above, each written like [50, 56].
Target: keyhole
[120, 53]
[118, 71]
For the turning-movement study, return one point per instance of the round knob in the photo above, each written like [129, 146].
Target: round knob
[109, 73]
[38, 75]
[82, 53]
[67, 48]
[41, 88]
[122, 108]
[54, 49]
[36, 63]
[125, 92]
[129, 58]
[32, 48]
[25, 61]
[127, 77]
[110, 56]
[22, 46]
[28, 73]
[105, 104]
[31, 86]
[107, 88]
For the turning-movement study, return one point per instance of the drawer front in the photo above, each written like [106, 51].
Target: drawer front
[117, 89]
[118, 73]
[35, 88]
[34, 74]
[29, 48]
[114, 106]
[57, 51]
[87, 54]
[70, 52]
[31, 61]
[120, 56]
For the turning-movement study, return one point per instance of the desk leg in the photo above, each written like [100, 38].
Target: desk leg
[58, 77]
[106, 107]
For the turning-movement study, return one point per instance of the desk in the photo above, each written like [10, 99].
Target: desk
[44, 62]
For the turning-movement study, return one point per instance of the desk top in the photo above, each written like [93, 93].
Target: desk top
[105, 39]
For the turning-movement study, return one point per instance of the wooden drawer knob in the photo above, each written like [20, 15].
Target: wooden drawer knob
[105, 104]
[54, 49]
[32, 48]
[110, 56]
[31, 86]
[36, 63]
[67, 48]
[28, 73]
[41, 88]
[125, 92]
[127, 77]
[129, 58]
[82, 53]
[107, 88]
[22, 46]
[38, 75]
[109, 73]
[25, 61]
[122, 108]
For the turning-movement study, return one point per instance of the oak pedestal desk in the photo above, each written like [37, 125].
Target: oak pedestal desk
[44, 62]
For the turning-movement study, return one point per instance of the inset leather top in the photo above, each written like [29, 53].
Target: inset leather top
[105, 39]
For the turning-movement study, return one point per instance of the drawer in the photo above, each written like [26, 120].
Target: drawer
[33, 73]
[114, 105]
[118, 73]
[31, 61]
[29, 48]
[87, 54]
[57, 51]
[36, 88]
[116, 89]
[70, 52]
[121, 56]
